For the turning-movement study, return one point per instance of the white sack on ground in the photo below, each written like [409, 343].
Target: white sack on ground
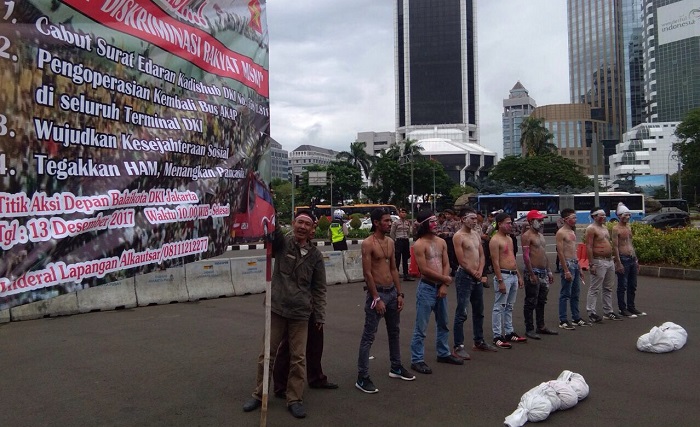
[577, 382]
[662, 339]
[534, 406]
[566, 394]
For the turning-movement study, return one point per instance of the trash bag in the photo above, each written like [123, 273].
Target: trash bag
[534, 406]
[566, 394]
[663, 339]
[577, 382]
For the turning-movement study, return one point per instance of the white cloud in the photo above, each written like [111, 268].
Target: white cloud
[332, 66]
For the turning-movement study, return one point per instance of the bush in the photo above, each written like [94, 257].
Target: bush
[674, 247]
[323, 224]
[355, 221]
[358, 234]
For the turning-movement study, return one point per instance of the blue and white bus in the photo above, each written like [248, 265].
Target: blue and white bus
[518, 204]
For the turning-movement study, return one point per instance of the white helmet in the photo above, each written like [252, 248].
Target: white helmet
[338, 214]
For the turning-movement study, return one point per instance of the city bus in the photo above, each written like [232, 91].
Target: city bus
[254, 216]
[518, 204]
[363, 209]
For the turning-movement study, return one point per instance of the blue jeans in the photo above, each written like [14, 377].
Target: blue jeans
[627, 282]
[468, 289]
[503, 305]
[427, 301]
[392, 318]
[570, 291]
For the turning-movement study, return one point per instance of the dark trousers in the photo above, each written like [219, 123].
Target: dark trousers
[314, 352]
[487, 256]
[402, 253]
[627, 283]
[535, 299]
[469, 290]
[392, 318]
[451, 255]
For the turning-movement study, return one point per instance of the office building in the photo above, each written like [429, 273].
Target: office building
[279, 161]
[671, 58]
[375, 142]
[306, 155]
[646, 149]
[516, 108]
[436, 67]
[463, 161]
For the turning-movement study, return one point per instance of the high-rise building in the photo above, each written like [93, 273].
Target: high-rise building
[596, 74]
[633, 61]
[646, 149]
[279, 161]
[516, 108]
[376, 141]
[436, 67]
[306, 155]
[671, 58]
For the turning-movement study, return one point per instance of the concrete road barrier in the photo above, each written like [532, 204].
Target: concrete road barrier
[209, 279]
[335, 273]
[110, 296]
[61, 305]
[161, 287]
[352, 264]
[5, 316]
[248, 275]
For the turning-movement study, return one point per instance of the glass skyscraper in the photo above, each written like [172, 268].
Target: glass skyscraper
[436, 58]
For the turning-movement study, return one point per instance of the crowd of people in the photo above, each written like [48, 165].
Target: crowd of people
[450, 249]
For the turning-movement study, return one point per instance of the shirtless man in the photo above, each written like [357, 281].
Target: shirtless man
[599, 251]
[468, 281]
[431, 295]
[506, 281]
[570, 272]
[384, 299]
[537, 274]
[626, 265]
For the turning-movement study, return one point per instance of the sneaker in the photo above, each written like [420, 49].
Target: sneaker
[566, 325]
[483, 346]
[421, 367]
[461, 352]
[637, 312]
[366, 385]
[501, 342]
[612, 316]
[627, 313]
[581, 322]
[515, 337]
[402, 373]
[594, 318]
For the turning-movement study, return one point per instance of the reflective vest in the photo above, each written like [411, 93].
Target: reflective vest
[337, 232]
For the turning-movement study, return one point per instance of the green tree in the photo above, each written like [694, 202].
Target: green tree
[347, 183]
[534, 137]
[541, 172]
[688, 149]
[282, 198]
[358, 157]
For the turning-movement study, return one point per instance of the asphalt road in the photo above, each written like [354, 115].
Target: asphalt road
[193, 364]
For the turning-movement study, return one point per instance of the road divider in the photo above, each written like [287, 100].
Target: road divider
[209, 279]
[352, 264]
[161, 287]
[248, 275]
[111, 296]
[335, 273]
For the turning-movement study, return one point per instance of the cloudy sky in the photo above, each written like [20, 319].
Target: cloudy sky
[332, 66]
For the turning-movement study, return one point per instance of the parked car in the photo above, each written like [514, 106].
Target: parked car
[367, 223]
[549, 223]
[667, 219]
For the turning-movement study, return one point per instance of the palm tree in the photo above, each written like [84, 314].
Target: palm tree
[357, 157]
[534, 138]
[407, 148]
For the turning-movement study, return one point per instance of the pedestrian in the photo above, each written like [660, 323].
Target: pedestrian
[602, 268]
[400, 233]
[383, 299]
[431, 295]
[570, 272]
[298, 290]
[507, 280]
[468, 283]
[626, 264]
[538, 276]
[338, 231]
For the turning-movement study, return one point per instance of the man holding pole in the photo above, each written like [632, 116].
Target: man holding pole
[298, 290]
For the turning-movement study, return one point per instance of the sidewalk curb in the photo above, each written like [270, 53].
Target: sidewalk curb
[669, 272]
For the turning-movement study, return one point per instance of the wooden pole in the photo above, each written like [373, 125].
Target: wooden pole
[268, 315]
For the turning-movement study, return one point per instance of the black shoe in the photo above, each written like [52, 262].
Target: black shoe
[421, 367]
[325, 385]
[408, 279]
[483, 346]
[452, 360]
[546, 331]
[252, 405]
[533, 335]
[297, 410]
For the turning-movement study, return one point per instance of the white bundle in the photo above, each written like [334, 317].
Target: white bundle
[534, 406]
[566, 394]
[540, 401]
[576, 382]
[662, 339]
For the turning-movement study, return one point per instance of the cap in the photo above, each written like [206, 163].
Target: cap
[535, 214]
